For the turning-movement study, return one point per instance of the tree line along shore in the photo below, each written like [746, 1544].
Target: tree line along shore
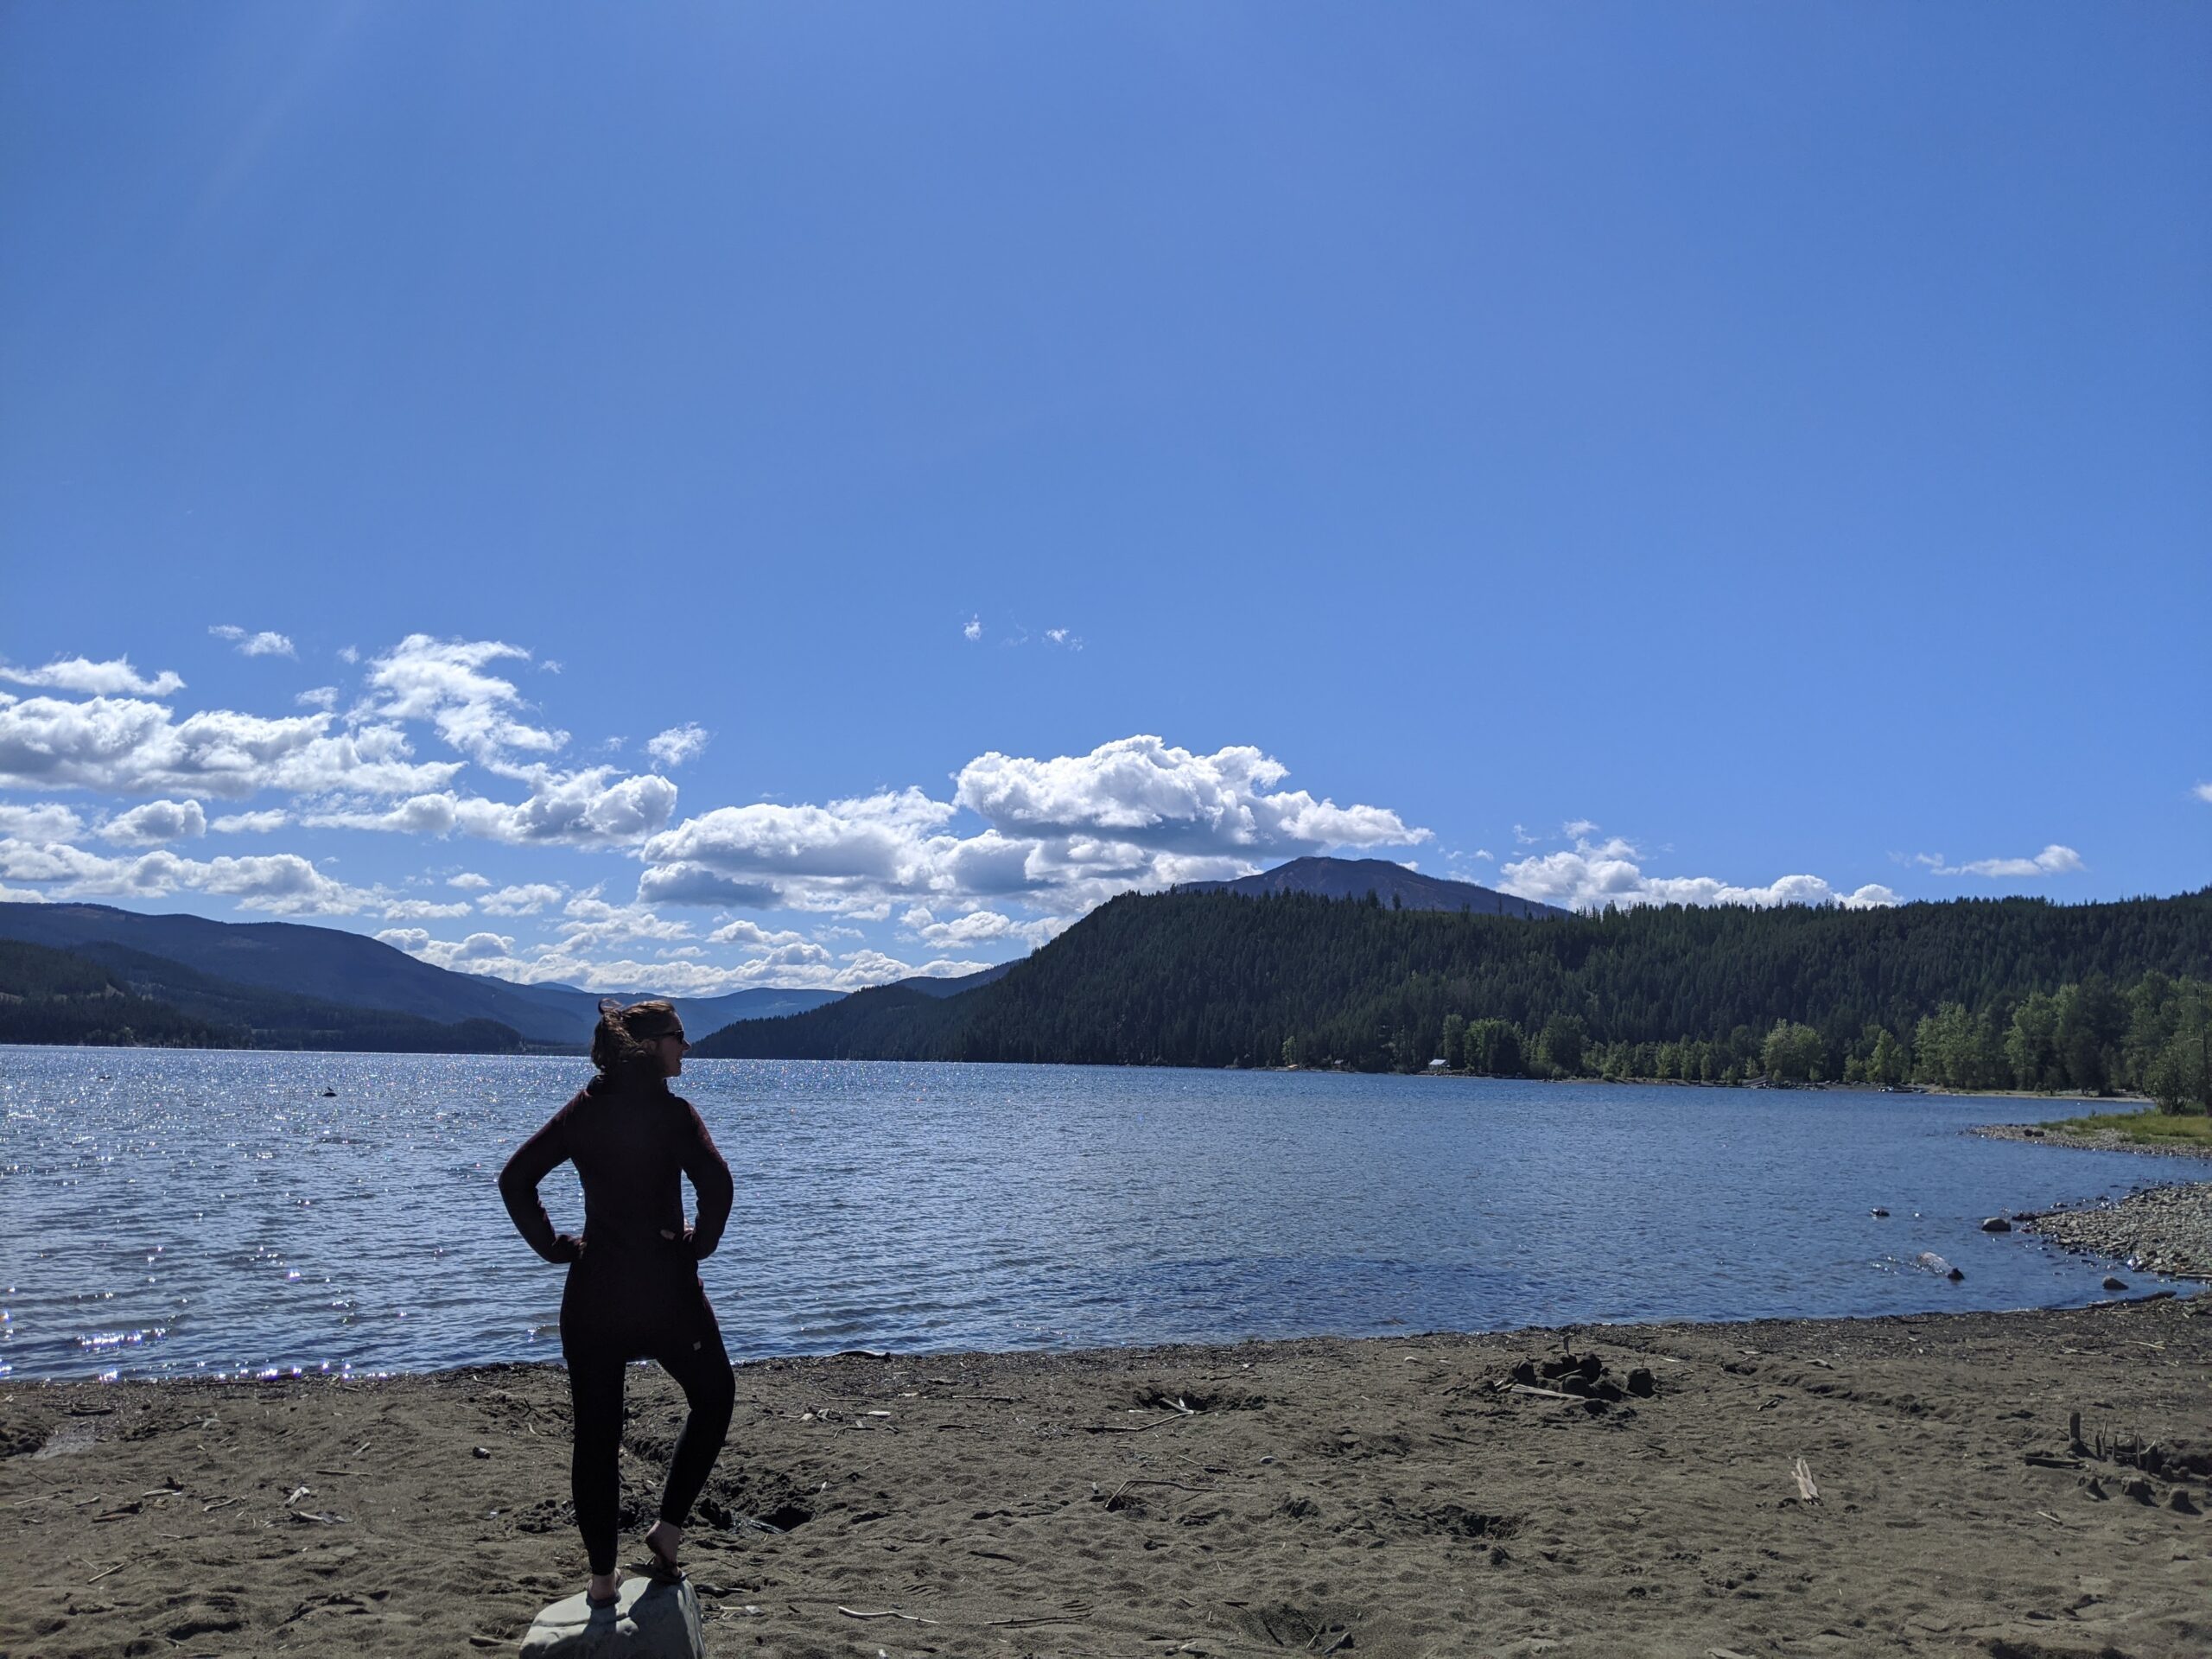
[2097, 999]
[1967, 994]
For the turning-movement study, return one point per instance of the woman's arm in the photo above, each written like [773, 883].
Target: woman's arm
[710, 1179]
[533, 1161]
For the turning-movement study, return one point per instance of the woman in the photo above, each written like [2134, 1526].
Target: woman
[633, 1289]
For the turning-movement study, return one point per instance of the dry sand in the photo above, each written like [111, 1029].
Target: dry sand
[1376, 1497]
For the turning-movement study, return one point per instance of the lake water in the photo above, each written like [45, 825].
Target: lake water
[167, 1212]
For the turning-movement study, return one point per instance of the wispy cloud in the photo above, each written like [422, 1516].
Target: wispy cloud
[101, 679]
[974, 629]
[2054, 860]
[264, 643]
[678, 744]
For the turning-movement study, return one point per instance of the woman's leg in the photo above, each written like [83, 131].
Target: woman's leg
[700, 1364]
[595, 1464]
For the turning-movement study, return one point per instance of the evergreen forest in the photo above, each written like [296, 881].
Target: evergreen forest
[2008, 993]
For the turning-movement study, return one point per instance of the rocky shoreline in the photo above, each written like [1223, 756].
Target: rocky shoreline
[2094, 1141]
[2159, 1229]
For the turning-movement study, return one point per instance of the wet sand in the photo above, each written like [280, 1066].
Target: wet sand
[1388, 1497]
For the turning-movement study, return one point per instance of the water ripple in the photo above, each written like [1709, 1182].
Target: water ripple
[168, 1212]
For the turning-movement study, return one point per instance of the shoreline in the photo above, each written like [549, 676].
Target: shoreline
[1414, 1493]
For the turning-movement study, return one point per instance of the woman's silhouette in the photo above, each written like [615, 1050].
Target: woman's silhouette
[633, 1289]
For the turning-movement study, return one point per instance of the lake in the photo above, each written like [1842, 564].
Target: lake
[174, 1213]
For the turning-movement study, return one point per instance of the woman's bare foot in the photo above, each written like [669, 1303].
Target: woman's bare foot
[601, 1588]
[664, 1541]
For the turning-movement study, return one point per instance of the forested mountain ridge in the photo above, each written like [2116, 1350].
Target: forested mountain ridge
[1391, 884]
[110, 995]
[1214, 979]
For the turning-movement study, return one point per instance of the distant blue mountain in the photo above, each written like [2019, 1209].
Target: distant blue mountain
[331, 965]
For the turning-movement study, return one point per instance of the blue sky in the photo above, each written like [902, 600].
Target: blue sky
[1008, 454]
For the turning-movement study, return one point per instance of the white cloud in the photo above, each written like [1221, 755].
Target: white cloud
[467, 880]
[593, 808]
[1578, 828]
[1065, 637]
[979, 927]
[751, 933]
[423, 910]
[253, 824]
[349, 654]
[444, 682]
[974, 631]
[524, 900]
[2054, 860]
[1142, 789]
[1595, 874]
[322, 696]
[2204, 793]
[123, 746]
[281, 883]
[1061, 835]
[264, 644]
[678, 744]
[479, 953]
[82, 675]
[46, 820]
[154, 822]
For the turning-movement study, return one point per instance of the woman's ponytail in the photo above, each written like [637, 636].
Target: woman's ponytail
[622, 1046]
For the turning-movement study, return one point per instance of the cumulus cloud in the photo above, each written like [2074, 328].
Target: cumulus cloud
[678, 744]
[974, 629]
[45, 820]
[280, 883]
[524, 900]
[677, 971]
[1066, 637]
[423, 910]
[82, 675]
[979, 927]
[322, 696]
[595, 807]
[1595, 874]
[1143, 791]
[264, 643]
[155, 823]
[468, 880]
[2204, 793]
[751, 933]
[125, 745]
[2054, 860]
[253, 824]
[1060, 834]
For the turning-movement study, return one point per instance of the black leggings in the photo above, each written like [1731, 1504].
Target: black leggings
[606, 1321]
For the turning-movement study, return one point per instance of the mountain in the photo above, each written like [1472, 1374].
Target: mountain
[333, 968]
[1391, 884]
[322, 962]
[700, 1013]
[109, 994]
[1214, 978]
[58, 996]
[926, 985]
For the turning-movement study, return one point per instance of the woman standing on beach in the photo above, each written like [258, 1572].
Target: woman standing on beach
[633, 1289]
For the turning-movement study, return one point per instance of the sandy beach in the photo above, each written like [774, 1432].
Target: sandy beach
[1424, 1495]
